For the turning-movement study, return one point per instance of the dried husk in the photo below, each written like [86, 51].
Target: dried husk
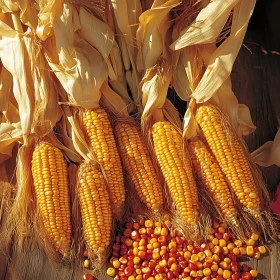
[127, 20]
[269, 153]
[151, 34]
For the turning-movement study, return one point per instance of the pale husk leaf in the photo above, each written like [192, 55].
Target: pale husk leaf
[96, 32]
[207, 25]
[113, 102]
[221, 62]
[6, 83]
[6, 30]
[28, 13]
[48, 10]
[75, 62]
[269, 153]
[127, 20]
[16, 49]
[9, 6]
[154, 87]
[9, 136]
[150, 39]
[76, 135]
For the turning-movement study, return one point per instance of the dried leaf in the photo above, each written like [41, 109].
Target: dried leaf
[269, 153]
[74, 61]
[6, 83]
[221, 62]
[150, 39]
[9, 135]
[16, 50]
[96, 32]
[207, 25]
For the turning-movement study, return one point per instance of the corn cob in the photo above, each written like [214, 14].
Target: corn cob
[138, 164]
[211, 178]
[230, 155]
[95, 209]
[49, 174]
[176, 169]
[100, 137]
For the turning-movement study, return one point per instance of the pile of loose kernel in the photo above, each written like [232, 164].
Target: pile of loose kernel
[155, 251]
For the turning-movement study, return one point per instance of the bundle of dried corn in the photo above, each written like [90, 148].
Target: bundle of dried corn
[198, 62]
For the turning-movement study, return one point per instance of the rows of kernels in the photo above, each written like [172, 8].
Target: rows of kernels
[95, 209]
[138, 164]
[211, 177]
[229, 154]
[49, 172]
[176, 169]
[160, 252]
[100, 137]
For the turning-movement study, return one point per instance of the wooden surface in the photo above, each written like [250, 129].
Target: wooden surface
[256, 82]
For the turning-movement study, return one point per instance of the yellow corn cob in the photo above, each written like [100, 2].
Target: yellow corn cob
[101, 139]
[138, 164]
[230, 155]
[95, 209]
[176, 169]
[49, 172]
[211, 177]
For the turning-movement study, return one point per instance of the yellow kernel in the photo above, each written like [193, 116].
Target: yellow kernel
[215, 241]
[164, 231]
[116, 264]
[242, 250]
[253, 273]
[230, 246]
[173, 267]
[156, 256]
[250, 242]
[194, 257]
[149, 223]
[208, 253]
[236, 251]
[131, 277]
[136, 260]
[214, 267]
[187, 255]
[250, 251]
[238, 243]
[190, 247]
[220, 271]
[262, 249]
[111, 272]
[207, 271]
[222, 243]
[159, 277]
[201, 256]
[226, 274]
[255, 236]
[86, 263]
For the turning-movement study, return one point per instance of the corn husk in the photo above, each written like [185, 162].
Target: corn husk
[16, 49]
[46, 17]
[151, 34]
[207, 26]
[269, 153]
[127, 19]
